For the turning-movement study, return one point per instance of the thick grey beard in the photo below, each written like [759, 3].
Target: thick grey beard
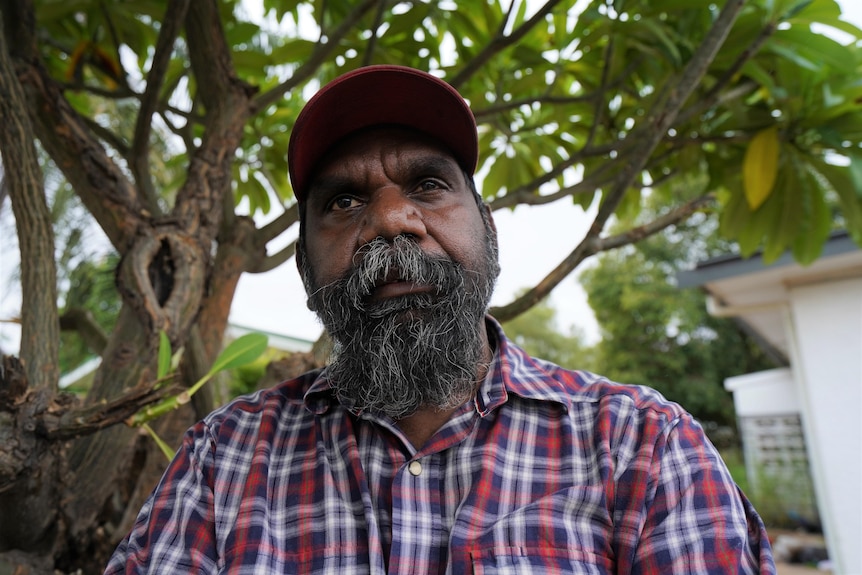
[416, 351]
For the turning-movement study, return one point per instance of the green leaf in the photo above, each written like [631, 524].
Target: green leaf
[660, 33]
[240, 32]
[818, 11]
[257, 194]
[251, 60]
[826, 13]
[164, 355]
[856, 175]
[732, 216]
[786, 214]
[56, 10]
[498, 177]
[848, 125]
[793, 55]
[787, 9]
[240, 351]
[750, 234]
[817, 48]
[673, 5]
[629, 207]
[849, 192]
[847, 28]
[762, 76]
[295, 50]
[166, 449]
[814, 229]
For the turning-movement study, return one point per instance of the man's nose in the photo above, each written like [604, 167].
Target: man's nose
[390, 213]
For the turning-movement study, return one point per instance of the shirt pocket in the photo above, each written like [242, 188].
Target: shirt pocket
[330, 560]
[537, 561]
[569, 531]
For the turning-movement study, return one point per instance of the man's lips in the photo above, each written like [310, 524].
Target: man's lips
[397, 287]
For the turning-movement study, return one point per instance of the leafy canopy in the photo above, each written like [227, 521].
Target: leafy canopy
[565, 96]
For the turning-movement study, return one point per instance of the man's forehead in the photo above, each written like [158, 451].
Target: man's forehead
[409, 150]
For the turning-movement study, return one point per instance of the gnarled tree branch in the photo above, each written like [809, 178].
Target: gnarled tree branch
[199, 202]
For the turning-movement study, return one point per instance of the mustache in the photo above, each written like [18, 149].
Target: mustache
[380, 261]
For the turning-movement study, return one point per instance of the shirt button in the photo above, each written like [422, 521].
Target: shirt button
[415, 468]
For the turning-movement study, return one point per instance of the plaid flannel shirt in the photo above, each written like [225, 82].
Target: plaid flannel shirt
[546, 470]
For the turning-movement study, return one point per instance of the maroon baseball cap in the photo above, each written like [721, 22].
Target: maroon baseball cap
[378, 95]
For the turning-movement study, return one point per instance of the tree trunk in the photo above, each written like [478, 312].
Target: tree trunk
[65, 504]
[40, 323]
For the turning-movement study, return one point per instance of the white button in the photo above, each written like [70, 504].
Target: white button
[415, 468]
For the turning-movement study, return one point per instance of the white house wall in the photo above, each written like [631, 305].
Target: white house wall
[827, 361]
[769, 392]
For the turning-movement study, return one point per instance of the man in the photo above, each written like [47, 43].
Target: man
[430, 443]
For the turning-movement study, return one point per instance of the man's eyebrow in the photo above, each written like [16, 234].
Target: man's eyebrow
[326, 185]
[437, 164]
[329, 184]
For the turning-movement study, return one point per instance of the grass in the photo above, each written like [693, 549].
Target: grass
[736, 465]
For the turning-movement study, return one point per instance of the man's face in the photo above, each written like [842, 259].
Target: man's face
[399, 263]
[385, 183]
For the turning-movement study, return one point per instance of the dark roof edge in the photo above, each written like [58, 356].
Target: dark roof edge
[731, 265]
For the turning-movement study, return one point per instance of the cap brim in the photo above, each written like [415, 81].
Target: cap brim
[380, 95]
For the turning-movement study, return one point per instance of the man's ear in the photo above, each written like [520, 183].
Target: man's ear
[490, 215]
[299, 256]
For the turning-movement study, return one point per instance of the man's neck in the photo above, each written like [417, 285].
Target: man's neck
[422, 425]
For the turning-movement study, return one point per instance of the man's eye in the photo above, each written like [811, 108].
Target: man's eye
[429, 185]
[344, 203]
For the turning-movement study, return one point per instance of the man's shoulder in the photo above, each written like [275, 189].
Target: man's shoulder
[289, 396]
[626, 414]
[583, 389]
[536, 378]
[595, 387]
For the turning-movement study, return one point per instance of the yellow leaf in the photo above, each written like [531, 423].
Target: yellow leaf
[760, 167]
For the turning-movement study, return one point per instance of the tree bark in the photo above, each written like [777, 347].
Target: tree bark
[57, 499]
[40, 323]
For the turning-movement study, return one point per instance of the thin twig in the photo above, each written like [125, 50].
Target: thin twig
[140, 160]
[500, 43]
[319, 55]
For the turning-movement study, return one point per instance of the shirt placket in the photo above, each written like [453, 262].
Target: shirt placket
[417, 534]
[420, 517]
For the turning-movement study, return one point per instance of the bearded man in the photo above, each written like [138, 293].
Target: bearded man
[430, 443]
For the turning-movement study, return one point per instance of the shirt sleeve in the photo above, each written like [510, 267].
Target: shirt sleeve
[174, 531]
[694, 517]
